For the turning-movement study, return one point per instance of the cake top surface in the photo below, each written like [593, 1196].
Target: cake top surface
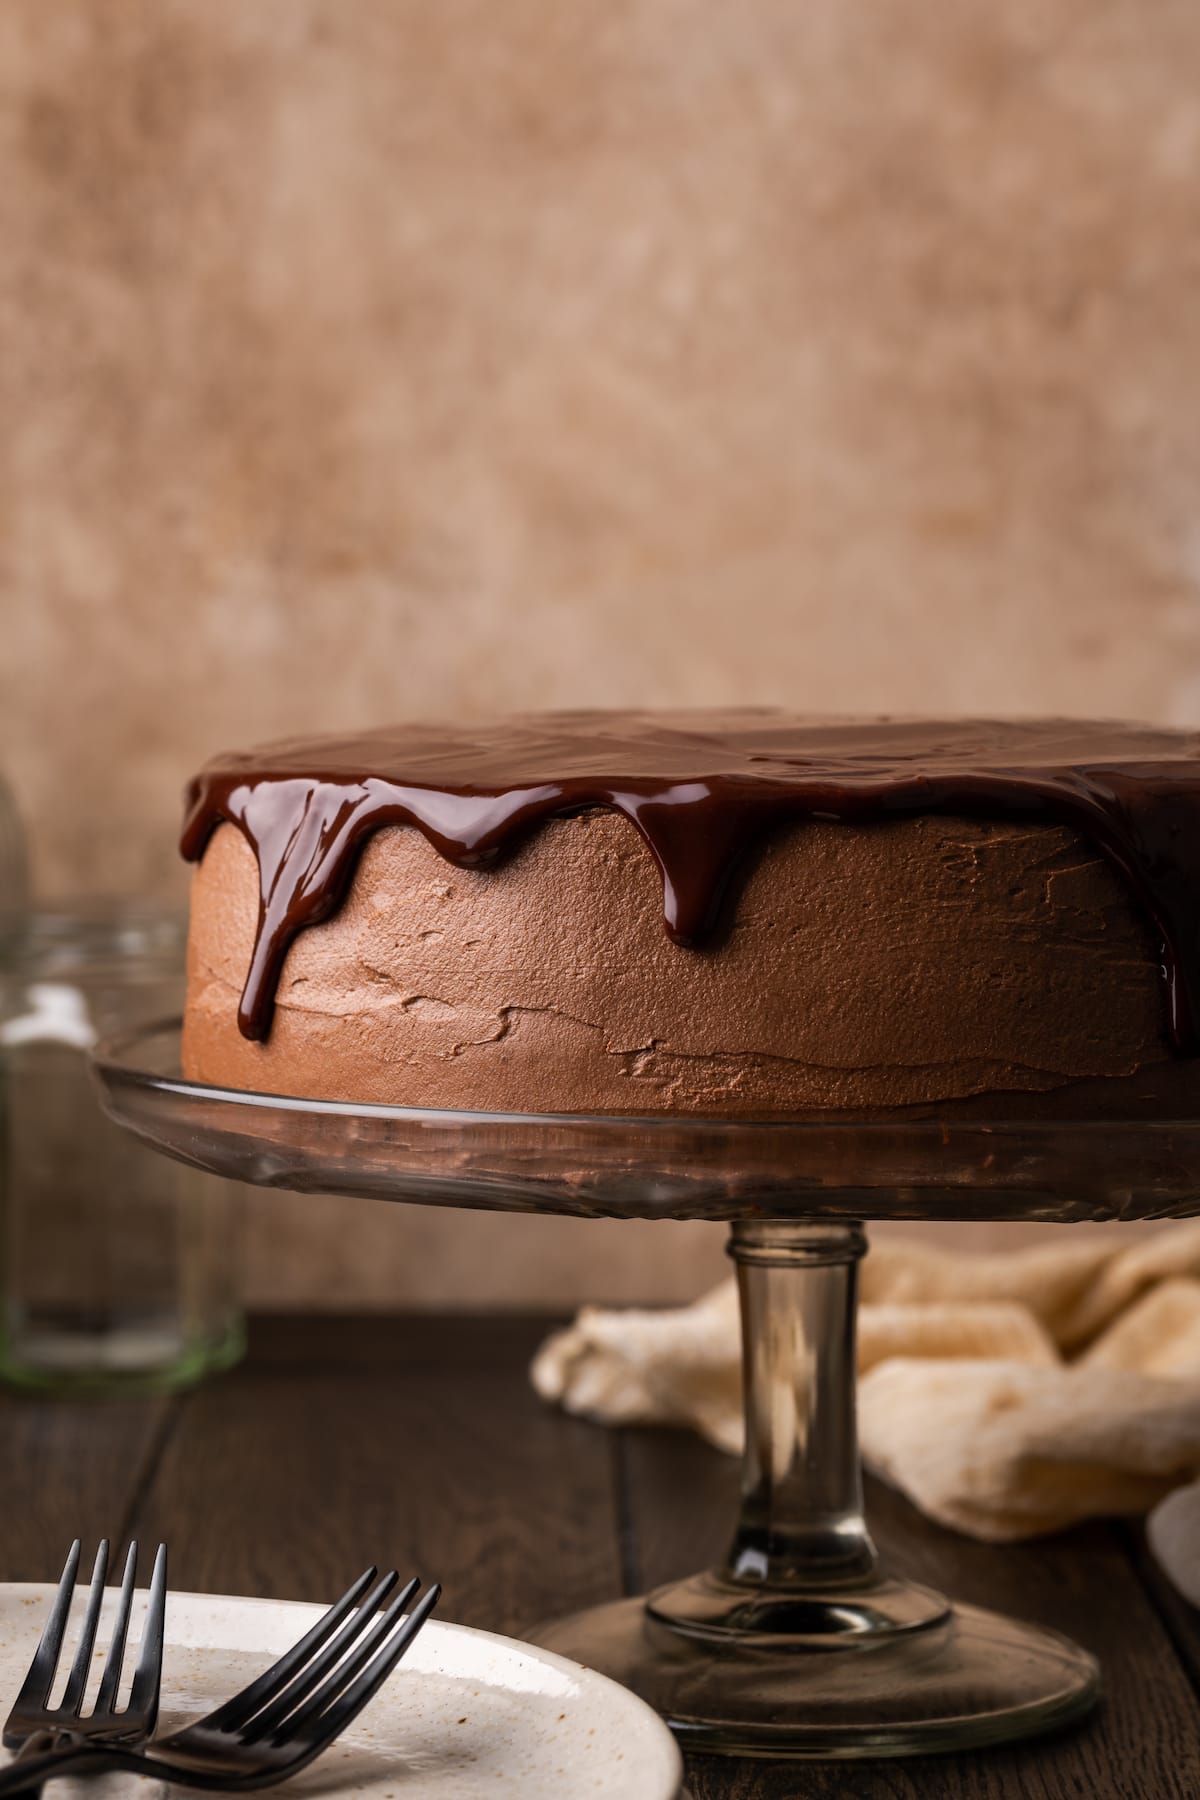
[704, 790]
[753, 744]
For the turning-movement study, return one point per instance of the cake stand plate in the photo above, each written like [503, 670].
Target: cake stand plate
[663, 1167]
[799, 1645]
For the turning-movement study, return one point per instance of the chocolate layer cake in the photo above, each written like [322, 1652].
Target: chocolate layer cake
[732, 914]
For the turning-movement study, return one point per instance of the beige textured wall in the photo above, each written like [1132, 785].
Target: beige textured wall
[364, 357]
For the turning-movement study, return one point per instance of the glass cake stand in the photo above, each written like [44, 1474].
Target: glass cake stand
[799, 1644]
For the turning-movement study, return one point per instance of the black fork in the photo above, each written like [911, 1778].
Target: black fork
[284, 1719]
[32, 1716]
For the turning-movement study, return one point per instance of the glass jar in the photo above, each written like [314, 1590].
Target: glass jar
[119, 1270]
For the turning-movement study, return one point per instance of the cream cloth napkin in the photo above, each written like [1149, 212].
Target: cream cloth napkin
[1005, 1394]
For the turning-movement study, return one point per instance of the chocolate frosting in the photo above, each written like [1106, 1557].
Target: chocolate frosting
[704, 790]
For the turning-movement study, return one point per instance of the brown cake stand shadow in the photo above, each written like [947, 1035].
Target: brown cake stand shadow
[799, 1644]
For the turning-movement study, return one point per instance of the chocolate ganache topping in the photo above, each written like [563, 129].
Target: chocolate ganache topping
[704, 790]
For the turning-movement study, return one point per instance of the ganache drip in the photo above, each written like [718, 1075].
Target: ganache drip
[704, 791]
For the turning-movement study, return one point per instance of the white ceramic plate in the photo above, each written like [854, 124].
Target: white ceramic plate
[466, 1714]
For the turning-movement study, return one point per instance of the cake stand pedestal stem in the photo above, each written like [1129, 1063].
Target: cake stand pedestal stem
[802, 1512]
[802, 1569]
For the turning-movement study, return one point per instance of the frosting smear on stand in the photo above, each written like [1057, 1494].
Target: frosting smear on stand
[704, 790]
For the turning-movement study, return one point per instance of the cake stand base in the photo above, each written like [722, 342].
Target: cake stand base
[968, 1679]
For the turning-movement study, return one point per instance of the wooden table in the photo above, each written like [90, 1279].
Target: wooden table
[341, 1442]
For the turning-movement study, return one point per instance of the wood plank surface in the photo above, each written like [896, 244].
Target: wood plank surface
[346, 1441]
[71, 1469]
[424, 1448]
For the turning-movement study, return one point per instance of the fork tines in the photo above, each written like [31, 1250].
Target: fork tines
[313, 1691]
[32, 1711]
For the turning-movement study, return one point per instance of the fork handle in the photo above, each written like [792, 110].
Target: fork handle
[37, 1743]
[75, 1757]
[79, 1757]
